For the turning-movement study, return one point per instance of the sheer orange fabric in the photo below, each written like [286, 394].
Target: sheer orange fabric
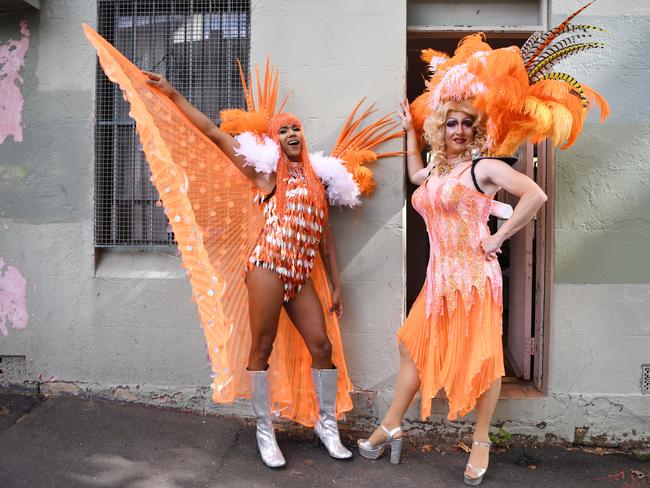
[216, 224]
[453, 331]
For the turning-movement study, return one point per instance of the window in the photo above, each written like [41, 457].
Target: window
[195, 44]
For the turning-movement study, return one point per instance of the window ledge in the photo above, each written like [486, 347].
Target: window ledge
[155, 264]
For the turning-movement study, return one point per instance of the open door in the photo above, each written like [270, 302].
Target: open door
[519, 345]
[529, 273]
[527, 258]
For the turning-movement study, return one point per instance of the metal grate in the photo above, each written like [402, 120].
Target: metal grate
[195, 44]
[645, 379]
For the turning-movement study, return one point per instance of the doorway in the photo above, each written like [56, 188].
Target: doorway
[526, 261]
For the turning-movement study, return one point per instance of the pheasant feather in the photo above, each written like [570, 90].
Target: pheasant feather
[572, 82]
[546, 39]
[551, 58]
[529, 45]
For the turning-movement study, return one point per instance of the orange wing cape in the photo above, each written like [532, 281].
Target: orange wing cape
[210, 207]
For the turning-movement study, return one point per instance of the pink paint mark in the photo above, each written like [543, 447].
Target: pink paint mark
[13, 299]
[12, 58]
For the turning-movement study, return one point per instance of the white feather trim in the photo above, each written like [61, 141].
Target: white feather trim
[262, 155]
[341, 187]
[435, 61]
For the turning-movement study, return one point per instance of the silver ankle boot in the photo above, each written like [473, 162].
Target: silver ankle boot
[326, 428]
[266, 443]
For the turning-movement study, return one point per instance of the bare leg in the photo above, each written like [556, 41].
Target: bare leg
[265, 292]
[408, 382]
[485, 406]
[306, 313]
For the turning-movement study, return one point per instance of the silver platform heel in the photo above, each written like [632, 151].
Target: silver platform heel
[479, 472]
[326, 428]
[266, 443]
[368, 451]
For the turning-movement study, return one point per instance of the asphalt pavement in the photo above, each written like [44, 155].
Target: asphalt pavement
[71, 442]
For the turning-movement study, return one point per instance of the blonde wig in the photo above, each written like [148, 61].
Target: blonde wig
[435, 126]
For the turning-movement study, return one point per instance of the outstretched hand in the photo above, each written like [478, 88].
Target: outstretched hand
[405, 115]
[159, 81]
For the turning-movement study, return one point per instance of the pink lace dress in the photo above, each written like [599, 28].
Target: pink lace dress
[453, 331]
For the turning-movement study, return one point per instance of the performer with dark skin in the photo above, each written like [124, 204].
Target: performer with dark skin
[267, 292]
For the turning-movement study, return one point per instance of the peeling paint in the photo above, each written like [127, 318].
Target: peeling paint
[12, 58]
[13, 299]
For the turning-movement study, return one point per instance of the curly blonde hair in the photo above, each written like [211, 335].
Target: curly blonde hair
[434, 130]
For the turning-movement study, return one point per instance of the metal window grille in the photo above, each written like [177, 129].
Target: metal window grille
[645, 379]
[195, 44]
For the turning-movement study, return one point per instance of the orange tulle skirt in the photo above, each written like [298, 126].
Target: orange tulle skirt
[461, 354]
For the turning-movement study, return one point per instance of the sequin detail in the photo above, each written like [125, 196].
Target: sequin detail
[456, 218]
[289, 247]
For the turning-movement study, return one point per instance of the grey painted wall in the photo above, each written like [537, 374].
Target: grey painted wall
[600, 335]
[123, 326]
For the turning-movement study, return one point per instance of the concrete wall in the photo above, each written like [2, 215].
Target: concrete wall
[330, 55]
[123, 326]
[122, 323]
[600, 333]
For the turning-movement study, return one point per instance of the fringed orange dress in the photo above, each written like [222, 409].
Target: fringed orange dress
[453, 331]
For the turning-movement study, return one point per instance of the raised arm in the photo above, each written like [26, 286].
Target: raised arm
[327, 249]
[493, 175]
[225, 141]
[414, 164]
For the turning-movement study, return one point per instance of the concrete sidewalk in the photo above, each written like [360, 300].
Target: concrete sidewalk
[70, 442]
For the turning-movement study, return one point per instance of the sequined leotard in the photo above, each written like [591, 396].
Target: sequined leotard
[289, 247]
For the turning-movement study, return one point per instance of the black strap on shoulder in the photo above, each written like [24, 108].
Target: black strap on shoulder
[269, 195]
[478, 188]
[508, 160]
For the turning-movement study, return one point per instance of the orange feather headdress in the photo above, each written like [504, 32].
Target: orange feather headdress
[354, 148]
[517, 89]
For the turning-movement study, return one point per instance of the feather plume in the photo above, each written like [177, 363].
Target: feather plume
[582, 28]
[527, 48]
[572, 82]
[597, 98]
[547, 38]
[236, 121]
[549, 60]
[354, 144]
[340, 185]
[433, 58]
[260, 152]
[365, 180]
[456, 83]
[427, 55]
[358, 157]
[559, 44]
[420, 111]
[562, 123]
[260, 108]
[585, 30]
